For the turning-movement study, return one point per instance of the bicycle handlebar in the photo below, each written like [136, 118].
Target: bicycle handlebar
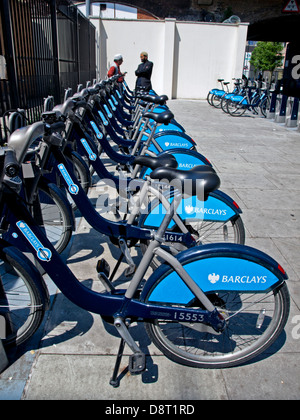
[11, 166]
[9, 170]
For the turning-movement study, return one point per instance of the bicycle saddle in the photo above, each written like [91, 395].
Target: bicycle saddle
[164, 117]
[164, 160]
[158, 100]
[197, 181]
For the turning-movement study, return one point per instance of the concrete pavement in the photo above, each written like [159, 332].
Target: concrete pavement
[73, 354]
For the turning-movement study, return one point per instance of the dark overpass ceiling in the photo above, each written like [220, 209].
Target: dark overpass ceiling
[267, 19]
[280, 29]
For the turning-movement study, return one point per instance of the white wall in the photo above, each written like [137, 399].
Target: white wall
[188, 57]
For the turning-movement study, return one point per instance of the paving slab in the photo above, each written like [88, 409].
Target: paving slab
[81, 378]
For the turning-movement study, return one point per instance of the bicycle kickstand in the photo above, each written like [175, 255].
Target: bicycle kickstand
[137, 360]
[114, 380]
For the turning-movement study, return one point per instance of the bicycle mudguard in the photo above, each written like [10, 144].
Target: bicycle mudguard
[8, 251]
[186, 159]
[218, 207]
[167, 140]
[214, 91]
[215, 268]
[239, 99]
[219, 93]
[172, 127]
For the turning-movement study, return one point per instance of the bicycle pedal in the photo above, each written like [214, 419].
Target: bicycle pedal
[137, 363]
[103, 267]
[129, 271]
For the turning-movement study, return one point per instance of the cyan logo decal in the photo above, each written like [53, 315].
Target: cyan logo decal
[92, 156]
[73, 188]
[109, 114]
[43, 254]
[114, 99]
[112, 105]
[104, 120]
[99, 135]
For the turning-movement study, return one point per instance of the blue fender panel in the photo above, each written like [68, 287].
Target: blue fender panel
[215, 267]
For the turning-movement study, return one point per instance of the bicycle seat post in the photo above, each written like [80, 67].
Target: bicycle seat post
[145, 147]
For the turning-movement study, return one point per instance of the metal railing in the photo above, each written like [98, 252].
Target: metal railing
[46, 46]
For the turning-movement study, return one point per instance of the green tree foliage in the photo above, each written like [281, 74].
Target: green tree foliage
[266, 56]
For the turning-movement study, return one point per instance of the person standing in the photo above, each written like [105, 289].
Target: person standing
[144, 72]
[115, 68]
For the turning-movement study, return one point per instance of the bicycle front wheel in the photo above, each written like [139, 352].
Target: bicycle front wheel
[224, 105]
[216, 101]
[208, 98]
[254, 322]
[55, 218]
[21, 303]
[235, 109]
[264, 107]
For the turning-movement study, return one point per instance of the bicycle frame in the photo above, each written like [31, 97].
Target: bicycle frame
[27, 235]
[120, 229]
[182, 278]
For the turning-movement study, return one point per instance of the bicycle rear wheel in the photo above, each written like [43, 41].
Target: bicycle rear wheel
[205, 232]
[254, 322]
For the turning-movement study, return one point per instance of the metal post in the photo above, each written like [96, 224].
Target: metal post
[272, 110]
[10, 55]
[280, 118]
[293, 120]
[88, 8]
[57, 98]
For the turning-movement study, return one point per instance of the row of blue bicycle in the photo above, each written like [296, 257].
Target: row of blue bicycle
[211, 301]
[245, 96]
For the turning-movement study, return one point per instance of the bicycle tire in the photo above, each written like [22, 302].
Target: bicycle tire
[58, 220]
[232, 231]
[82, 172]
[224, 105]
[234, 109]
[21, 301]
[185, 345]
[264, 106]
[216, 101]
[208, 98]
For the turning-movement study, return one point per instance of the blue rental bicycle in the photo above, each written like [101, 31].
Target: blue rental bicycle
[253, 98]
[213, 306]
[214, 218]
